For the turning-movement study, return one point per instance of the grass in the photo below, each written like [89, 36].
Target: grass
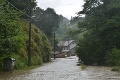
[26, 69]
[22, 70]
[83, 67]
[116, 68]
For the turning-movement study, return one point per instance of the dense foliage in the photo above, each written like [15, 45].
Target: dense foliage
[102, 37]
[47, 20]
[67, 28]
[10, 30]
[61, 32]
[14, 39]
[23, 5]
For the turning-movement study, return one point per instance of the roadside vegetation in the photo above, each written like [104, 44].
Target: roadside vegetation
[14, 30]
[100, 43]
[83, 67]
[97, 34]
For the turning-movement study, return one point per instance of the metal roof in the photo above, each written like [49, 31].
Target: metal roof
[65, 43]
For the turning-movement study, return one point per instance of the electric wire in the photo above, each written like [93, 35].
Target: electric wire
[23, 5]
[33, 19]
[18, 9]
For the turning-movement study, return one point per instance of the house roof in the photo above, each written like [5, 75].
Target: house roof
[68, 42]
[58, 48]
[61, 43]
[65, 43]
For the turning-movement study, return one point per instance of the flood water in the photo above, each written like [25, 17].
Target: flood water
[64, 69]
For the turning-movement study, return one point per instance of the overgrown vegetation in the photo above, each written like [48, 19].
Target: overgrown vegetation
[14, 39]
[83, 67]
[47, 20]
[100, 42]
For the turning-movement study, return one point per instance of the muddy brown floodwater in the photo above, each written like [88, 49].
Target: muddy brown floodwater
[65, 69]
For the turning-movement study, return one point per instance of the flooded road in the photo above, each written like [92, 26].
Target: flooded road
[65, 69]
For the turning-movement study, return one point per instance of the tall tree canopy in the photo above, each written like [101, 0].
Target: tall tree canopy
[23, 5]
[47, 20]
[102, 23]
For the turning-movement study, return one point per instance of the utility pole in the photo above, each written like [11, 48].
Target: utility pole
[68, 43]
[29, 41]
[54, 45]
[68, 46]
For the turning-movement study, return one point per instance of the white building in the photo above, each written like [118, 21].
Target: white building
[68, 46]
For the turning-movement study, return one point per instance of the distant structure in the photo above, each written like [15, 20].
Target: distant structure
[67, 47]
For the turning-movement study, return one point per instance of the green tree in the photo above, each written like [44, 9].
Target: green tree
[102, 23]
[23, 5]
[14, 38]
[113, 58]
[61, 32]
[47, 20]
[10, 30]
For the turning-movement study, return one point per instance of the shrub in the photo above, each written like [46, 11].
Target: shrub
[83, 67]
[113, 57]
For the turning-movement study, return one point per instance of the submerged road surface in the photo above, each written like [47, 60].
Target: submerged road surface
[66, 69]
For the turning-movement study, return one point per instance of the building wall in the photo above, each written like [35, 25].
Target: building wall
[72, 45]
[65, 48]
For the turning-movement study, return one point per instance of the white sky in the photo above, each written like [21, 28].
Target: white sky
[67, 8]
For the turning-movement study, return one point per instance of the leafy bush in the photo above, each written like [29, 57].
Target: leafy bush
[113, 57]
[117, 68]
[36, 60]
[83, 67]
[14, 39]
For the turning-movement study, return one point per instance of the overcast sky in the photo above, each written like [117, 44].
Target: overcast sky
[67, 8]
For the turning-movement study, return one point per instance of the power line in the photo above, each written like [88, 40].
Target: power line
[22, 11]
[4, 22]
[21, 4]
[18, 9]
